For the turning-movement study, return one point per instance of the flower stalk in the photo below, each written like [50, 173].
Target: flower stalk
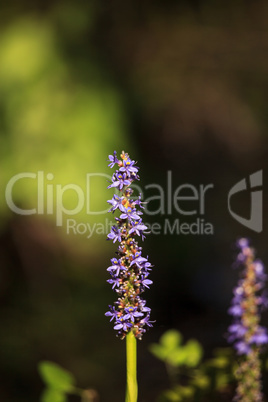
[131, 366]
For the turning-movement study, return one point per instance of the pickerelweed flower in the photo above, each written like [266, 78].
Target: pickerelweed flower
[246, 332]
[129, 271]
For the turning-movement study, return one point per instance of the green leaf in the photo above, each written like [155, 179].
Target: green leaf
[218, 362]
[171, 351]
[194, 353]
[171, 396]
[53, 395]
[180, 393]
[201, 380]
[178, 357]
[56, 377]
[168, 348]
[171, 339]
[186, 391]
[158, 351]
[222, 380]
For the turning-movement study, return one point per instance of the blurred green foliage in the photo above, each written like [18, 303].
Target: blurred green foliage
[56, 378]
[61, 114]
[60, 383]
[172, 352]
[54, 119]
[191, 378]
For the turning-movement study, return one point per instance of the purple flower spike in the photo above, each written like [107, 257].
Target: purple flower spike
[129, 272]
[246, 301]
[246, 332]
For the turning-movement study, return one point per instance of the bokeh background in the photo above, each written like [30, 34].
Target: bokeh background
[182, 86]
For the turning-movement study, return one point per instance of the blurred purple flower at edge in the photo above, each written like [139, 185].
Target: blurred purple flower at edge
[246, 333]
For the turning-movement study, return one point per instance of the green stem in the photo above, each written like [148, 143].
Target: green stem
[131, 355]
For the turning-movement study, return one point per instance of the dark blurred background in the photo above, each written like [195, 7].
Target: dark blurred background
[182, 86]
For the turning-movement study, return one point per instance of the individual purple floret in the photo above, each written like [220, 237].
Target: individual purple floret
[115, 234]
[129, 213]
[120, 180]
[138, 228]
[111, 313]
[139, 202]
[123, 324]
[116, 201]
[129, 272]
[113, 160]
[116, 267]
[128, 167]
[131, 313]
